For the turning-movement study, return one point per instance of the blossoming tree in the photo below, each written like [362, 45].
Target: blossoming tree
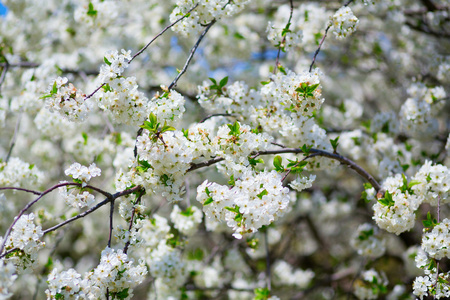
[224, 149]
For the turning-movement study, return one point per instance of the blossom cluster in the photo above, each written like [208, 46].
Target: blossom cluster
[397, 213]
[435, 242]
[283, 38]
[433, 281]
[433, 183]
[186, 221]
[367, 242]
[168, 108]
[254, 200]
[371, 286]
[96, 13]
[7, 278]
[344, 22]
[286, 275]
[82, 173]
[115, 65]
[25, 236]
[66, 100]
[298, 93]
[116, 274]
[16, 172]
[418, 111]
[204, 13]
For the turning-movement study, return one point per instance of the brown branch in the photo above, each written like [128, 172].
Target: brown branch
[23, 210]
[133, 212]
[87, 212]
[20, 189]
[323, 40]
[268, 274]
[14, 138]
[4, 71]
[216, 115]
[282, 44]
[162, 32]
[188, 61]
[111, 224]
[316, 152]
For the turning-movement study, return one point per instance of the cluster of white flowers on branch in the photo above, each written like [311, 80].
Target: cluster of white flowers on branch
[226, 178]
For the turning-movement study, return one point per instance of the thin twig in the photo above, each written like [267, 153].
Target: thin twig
[14, 138]
[282, 44]
[216, 115]
[92, 94]
[22, 64]
[20, 189]
[133, 212]
[4, 71]
[188, 61]
[268, 275]
[318, 49]
[323, 39]
[87, 212]
[23, 210]
[162, 32]
[111, 214]
[361, 266]
[344, 160]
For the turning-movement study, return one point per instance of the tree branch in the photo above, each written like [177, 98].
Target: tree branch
[162, 32]
[188, 61]
[282, 44]
[87, 212]
[316, 152]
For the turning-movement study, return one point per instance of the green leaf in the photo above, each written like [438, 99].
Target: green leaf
[253, 243]
[334, 143]
[261, 294]
[123, 294]
[106, 61]
[265, 82]
[213, 80]
[107, 88]
[188, 212]
[196, 254]
[85, 138]
[153, 119]
[54, 89]
[185, 133]
[238, 36]
[282, 69]
[365, 234]
[387, 200]
[91, 11]
[208, 193]
[208, 201]
[149, 126]
[234, 129]
[367, 186]
[264, 192]
[253, 161]
[143, 166]
[232, 182]
[45, 96]
[306, 149]
[223, 82]
[413, 183]
[277, 163]
[59, 296]
[234, 209]
[167, 128]
[286, 29]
